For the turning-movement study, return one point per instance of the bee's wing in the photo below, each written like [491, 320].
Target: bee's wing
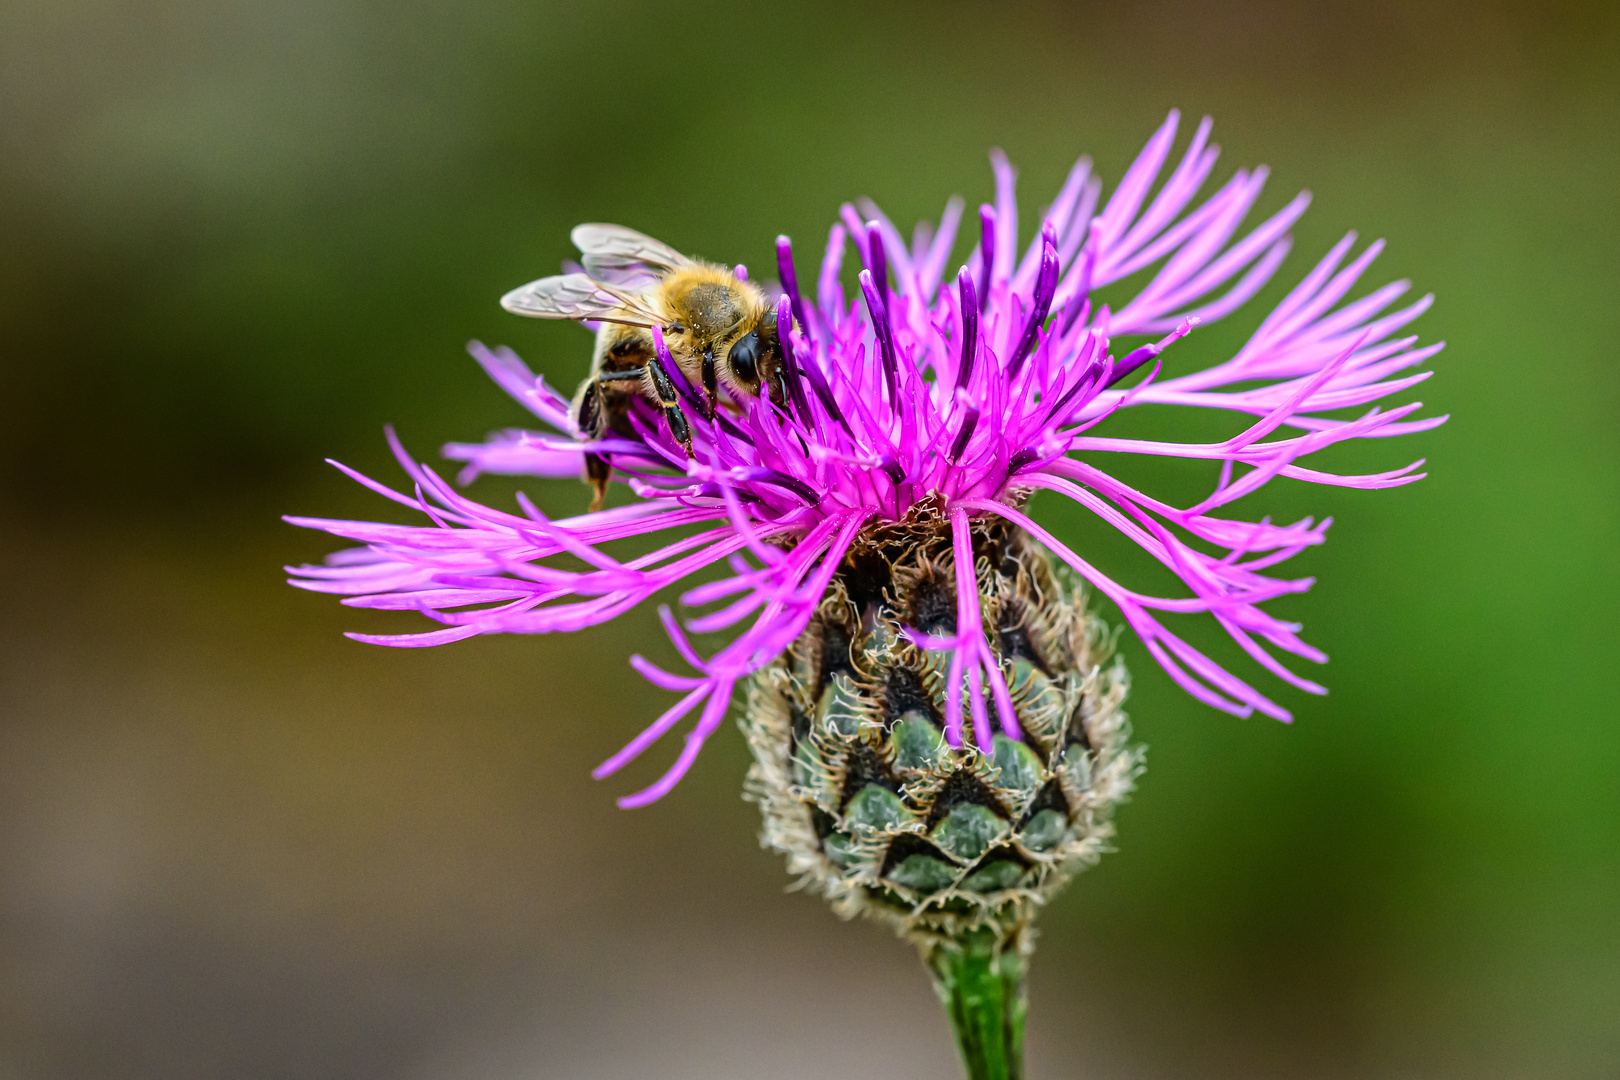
[615, 252]
[579, 296]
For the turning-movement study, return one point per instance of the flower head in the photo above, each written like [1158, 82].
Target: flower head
[922, 396]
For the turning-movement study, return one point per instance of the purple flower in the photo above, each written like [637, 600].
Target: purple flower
[957, 397]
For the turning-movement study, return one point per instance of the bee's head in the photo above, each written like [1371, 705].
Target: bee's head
[726, 326]
[754, 360]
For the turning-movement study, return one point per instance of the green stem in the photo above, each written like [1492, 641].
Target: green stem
[980, 981]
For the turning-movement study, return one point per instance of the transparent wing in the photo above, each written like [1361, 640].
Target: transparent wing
[623, 255]
[579, 296]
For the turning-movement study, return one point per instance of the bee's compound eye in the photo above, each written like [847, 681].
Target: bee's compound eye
[744, 357]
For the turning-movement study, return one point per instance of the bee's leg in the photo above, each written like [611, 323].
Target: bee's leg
[711, 384]
[588, 410]
[598, 468]
[665, 389]
[588, 422]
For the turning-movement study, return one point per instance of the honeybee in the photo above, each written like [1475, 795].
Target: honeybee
[719, 328]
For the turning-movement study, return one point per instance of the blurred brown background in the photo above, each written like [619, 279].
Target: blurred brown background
[238, 237]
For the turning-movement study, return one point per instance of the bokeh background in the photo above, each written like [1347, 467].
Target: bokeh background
[237, 237]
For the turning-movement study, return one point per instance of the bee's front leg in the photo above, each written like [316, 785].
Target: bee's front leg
[711, 383]
[664, 388]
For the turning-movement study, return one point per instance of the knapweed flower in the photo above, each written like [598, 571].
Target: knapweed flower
[937, 736]
[967, 397]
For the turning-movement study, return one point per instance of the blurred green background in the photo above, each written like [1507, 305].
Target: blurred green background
[238, 237]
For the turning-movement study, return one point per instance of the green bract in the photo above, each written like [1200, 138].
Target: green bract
[858, 784]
